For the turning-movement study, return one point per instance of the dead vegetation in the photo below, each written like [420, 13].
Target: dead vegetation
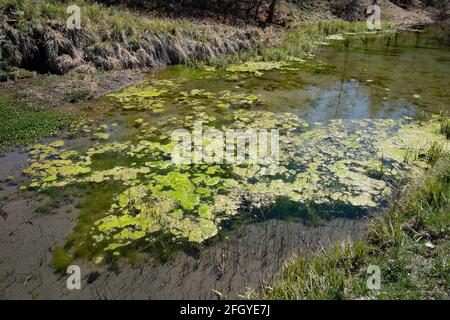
[112, 39]
[262, 12]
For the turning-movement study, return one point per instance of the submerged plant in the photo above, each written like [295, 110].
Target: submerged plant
[434, 153]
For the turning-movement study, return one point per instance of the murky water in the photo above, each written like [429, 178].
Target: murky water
[352, 122]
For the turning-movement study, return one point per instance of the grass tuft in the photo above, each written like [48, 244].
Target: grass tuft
[434, 153]
[445, 127]
[61, 260]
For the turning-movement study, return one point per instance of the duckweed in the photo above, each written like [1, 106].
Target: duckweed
[20, 124]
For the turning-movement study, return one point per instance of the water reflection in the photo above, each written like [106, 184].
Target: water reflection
[398, 74]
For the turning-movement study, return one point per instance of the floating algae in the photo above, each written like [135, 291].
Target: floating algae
[256, 67]
[146, 97]
[322, 164]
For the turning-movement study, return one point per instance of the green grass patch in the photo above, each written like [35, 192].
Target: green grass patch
[61, 260]
[76, 96]
[12, 73]
[298, 42]
[434, 153]
[20, 124]
[445, 127]
[409, 243]
[99, 18]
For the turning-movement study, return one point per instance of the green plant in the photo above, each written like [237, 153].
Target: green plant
[76, 96]
[323, 276]
[434, 153]
[445, 127]
[20, 95]
[410, 155]
[50, 11]
[61, 259]
[20, 124]
[297, 42]
[48, 207]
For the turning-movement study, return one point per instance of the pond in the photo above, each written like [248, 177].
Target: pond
[353, 122]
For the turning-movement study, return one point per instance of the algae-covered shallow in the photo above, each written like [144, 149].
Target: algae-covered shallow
[352, 123]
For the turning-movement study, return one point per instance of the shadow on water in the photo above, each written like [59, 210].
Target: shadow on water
[285, 210]
[312, 213]
[309, 214]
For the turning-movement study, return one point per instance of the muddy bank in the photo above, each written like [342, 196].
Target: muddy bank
[227, 269]
[56, 90]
